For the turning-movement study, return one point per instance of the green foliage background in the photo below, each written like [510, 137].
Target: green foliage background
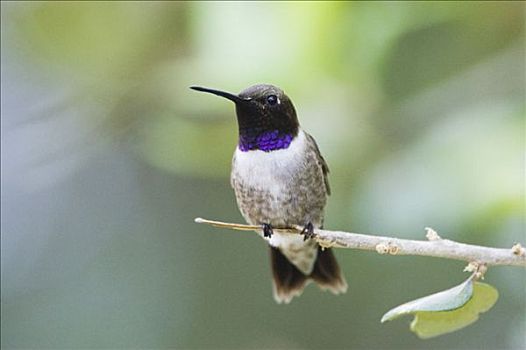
[107, 157]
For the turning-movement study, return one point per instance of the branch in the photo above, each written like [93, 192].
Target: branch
[434, 246]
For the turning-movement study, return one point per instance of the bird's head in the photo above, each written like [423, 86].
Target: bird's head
[266, 117]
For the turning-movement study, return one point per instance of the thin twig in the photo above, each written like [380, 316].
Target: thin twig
[437, 247]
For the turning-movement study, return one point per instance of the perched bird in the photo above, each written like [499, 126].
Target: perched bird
[280, 179]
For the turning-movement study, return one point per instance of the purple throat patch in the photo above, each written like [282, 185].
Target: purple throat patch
[266, 141]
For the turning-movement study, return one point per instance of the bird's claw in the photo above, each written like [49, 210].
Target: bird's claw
[308, 231]
[267, 230]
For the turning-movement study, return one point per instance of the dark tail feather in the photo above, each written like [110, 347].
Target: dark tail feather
[327, 273]
[289, 281]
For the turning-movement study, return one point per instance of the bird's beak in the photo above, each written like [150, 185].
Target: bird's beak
[235, 98]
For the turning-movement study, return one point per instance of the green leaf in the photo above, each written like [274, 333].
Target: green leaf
[447, 311]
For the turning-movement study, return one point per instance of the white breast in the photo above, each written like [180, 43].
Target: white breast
[271, 171]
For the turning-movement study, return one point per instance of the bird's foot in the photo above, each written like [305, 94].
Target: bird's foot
[267, 230]
[308, 231]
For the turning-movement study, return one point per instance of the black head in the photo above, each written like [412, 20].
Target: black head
[266, 117]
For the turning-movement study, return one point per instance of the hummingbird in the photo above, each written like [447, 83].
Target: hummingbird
[280, 179]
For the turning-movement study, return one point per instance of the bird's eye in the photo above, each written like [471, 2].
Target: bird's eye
[272, 99]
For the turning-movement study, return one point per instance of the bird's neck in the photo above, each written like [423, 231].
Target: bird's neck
[264, 140]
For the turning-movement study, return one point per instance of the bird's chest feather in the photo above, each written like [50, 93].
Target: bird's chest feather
[273, 186]
[270, 172]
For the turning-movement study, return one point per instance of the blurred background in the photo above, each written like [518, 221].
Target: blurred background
[107, 157]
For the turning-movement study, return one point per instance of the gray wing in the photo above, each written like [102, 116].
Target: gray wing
[323, 163]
